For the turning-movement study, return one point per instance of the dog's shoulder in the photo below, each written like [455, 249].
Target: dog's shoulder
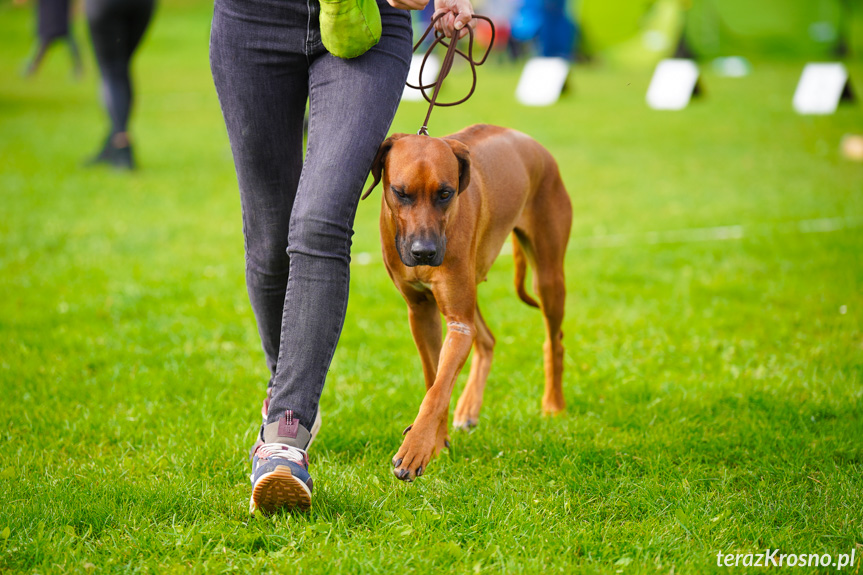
[496, 140]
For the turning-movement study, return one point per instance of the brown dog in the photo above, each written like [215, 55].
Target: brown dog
[448, 206]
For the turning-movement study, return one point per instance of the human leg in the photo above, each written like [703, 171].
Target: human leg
[261, 53]
[52, 23]
[259, 65]
[38, 56]
[116, 28]
[262, 92]
[75, 54]
[106, 24]
[136, 19]
[352, 103]
[257, 57]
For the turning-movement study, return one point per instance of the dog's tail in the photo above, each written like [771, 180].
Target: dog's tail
[520, 260]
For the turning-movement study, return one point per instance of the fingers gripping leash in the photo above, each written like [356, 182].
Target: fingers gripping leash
[446, 66]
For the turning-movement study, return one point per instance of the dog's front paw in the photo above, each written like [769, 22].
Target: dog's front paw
[420, 445]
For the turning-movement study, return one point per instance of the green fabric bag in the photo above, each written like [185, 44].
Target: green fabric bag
[350, 27]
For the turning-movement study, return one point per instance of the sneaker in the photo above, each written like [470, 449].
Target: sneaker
[265, 408]
[280, 479]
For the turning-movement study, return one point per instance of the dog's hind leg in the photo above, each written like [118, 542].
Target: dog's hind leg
[467, 409]
[550, 250]
[546, 258]
[544, 236]
[552, 295]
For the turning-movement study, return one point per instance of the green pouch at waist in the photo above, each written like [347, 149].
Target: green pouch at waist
[349, 27]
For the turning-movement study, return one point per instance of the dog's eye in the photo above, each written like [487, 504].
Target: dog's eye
[446, 194]
[400, 193]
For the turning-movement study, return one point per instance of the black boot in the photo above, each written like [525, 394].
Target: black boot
[116, 152]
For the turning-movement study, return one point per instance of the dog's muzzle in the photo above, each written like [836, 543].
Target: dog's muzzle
[422, 251]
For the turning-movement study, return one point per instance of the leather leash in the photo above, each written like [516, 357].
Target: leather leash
[446, 65]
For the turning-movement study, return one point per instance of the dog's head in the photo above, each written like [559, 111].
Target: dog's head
[422, 179]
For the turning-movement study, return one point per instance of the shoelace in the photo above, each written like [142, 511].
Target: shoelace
[282, 451]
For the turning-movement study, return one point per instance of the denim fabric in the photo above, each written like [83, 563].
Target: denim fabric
[267, 59]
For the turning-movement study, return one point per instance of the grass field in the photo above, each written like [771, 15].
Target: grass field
[714, 379]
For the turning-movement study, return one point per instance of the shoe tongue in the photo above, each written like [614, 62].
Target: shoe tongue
[294, 435]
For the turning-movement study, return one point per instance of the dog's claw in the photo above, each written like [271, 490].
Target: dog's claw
[408, 428]
[397, 462]
[446, 443]
[419, 471]
[403, 473]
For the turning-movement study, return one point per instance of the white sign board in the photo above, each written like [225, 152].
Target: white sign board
[430, 73]
[820, 88]
[542, 81]
[673, 84]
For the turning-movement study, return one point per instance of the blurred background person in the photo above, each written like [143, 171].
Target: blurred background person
[52, 23]
[116, 29]
[546, 22]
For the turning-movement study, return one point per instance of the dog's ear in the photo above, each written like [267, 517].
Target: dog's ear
[462, 154]
[378, 164]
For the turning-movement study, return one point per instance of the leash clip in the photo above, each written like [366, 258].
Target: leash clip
[424, 131]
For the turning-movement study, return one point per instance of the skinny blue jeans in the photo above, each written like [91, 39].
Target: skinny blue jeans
[267, 60]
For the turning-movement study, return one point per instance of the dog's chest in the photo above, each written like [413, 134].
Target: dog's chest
[420, 285]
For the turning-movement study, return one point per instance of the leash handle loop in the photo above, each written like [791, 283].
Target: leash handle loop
[446, 65]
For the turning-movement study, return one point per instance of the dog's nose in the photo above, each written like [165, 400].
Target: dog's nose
[423, 250]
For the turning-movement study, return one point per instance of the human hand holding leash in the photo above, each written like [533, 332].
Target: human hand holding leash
[459, 13]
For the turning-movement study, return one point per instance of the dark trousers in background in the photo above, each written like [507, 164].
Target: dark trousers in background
[116, 29]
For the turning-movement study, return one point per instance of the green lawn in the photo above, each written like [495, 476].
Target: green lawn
[714, 386]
